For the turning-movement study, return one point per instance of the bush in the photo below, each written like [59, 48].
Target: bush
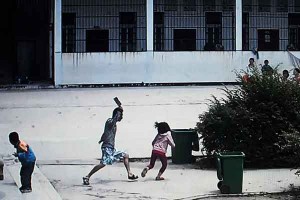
[259, 117]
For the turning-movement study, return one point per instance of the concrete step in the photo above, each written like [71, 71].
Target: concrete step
[8, 187]
[41, 187]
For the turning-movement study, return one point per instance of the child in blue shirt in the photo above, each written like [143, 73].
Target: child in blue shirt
[26, 157]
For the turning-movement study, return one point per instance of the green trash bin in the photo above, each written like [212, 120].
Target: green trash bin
[230, 166]
[185, 140]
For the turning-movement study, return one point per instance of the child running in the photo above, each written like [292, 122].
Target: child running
[160, 146]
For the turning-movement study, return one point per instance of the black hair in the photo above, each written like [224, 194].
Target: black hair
[285, 71]
[117, 110]
[162, 127]
[14, 138]
[297, 70]
[251, 59]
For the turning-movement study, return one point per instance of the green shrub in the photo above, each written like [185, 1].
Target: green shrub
[260, 117]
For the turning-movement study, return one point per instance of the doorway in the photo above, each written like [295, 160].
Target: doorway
[268, 39]
[27, 39]
[26, 58]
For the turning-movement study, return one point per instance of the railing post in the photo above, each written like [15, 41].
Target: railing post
[150, 24]
[239, 25]
[1, 169]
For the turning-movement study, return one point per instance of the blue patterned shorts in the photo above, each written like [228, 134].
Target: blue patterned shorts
[110, 156]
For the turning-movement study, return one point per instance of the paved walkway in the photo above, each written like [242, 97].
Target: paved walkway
[181, 182]
[8, 187]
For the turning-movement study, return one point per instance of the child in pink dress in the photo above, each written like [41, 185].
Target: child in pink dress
[160, 145]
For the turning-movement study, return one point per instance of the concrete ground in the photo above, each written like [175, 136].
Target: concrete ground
[63, 121]
[63, 127]
[181, 182]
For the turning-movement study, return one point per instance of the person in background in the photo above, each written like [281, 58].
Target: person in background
[296, 74]
[251, 64]
[285, 75]
[266, 69]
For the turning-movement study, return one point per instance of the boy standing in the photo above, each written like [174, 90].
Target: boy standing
[109, 154]
[285, 75]
[27, 159]
[266, 69]
[251, 64]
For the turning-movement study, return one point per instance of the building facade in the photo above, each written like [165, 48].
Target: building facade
[150, 41]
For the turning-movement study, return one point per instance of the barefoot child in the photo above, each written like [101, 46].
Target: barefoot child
[160, 145]
[27, 159]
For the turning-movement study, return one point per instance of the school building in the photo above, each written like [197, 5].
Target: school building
[65, 42]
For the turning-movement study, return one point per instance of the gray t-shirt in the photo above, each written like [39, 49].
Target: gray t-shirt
[109, 134]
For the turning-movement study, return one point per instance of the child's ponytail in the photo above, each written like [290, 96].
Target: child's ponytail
[156, 124]
[162, 127]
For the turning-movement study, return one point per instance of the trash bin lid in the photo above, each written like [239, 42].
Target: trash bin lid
[231, 154]
[183, 130]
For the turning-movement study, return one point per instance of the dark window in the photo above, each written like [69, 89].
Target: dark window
[68, 32]
[282, 5]
[189, 5]
[97, 41]
[268, 40]
[294, 31]
[264, 5]
[209, 5]
[158, 18]
[297, 5]
[213, 18]
[245, 33]
[213, 30]
[294, 19]
[128, 27]
[247, 5]
[171, 5]
[184, 39]
[158, 31]
[128, 18]
[228, 5]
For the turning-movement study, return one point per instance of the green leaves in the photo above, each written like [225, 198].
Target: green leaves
[261, 117]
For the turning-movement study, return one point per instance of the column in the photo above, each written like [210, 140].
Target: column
[238, 25]
[57, 43]
[150, 24]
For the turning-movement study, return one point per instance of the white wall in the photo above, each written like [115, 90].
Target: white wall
[161, 67]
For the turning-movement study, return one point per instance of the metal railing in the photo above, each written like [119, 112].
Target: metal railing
[194, 25]
[271, 25]
[103, 25]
